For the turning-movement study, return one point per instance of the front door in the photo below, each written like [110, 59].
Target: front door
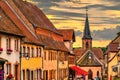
[16, 72]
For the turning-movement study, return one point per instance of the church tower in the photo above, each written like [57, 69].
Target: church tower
[87, 39]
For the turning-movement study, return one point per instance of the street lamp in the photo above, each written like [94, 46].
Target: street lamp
[63, 62]
[27, 56]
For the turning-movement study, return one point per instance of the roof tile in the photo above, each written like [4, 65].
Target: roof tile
[68, 34]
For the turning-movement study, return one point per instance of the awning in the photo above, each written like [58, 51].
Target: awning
[2, 60]
[79, 71]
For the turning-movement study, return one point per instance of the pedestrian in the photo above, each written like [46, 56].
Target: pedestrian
[1, 73]
[97, 78]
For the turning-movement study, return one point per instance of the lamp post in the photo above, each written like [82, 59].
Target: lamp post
[27, 56]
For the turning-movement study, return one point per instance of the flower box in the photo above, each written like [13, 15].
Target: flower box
[9, 51]
[1, 49]
[10, 77]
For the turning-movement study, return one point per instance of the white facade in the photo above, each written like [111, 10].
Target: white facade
[13, 57]
[69, 45]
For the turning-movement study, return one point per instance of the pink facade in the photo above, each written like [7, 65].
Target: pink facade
[94, 70]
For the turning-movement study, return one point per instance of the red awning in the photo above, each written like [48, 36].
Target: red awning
[79, 71]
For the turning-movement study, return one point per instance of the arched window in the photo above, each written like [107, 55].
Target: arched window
[90, 74]
[87, 45]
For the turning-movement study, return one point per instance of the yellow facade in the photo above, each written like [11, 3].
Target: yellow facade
[111, 64]
[32, 63]
[63, 64]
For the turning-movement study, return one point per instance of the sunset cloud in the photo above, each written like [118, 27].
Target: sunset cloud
[104, 17]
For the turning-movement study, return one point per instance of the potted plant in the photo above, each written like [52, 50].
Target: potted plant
[9, 51]
[10, 77]
[1, 49]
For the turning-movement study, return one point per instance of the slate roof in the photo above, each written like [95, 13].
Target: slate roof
[85, 60]
[68, 34]
[87, 34]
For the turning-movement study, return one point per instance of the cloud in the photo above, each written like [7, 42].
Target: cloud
[76, 9]
[78, 33]
[106, 34]
[100, 12]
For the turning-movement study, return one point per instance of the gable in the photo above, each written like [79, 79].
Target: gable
[89, 59]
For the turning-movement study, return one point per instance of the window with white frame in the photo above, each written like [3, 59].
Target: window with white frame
[8, 68]
[16, 44]
[0, 41]
[28, 51]
[24, 51]
[32, 50]
[8, 43]
[39, 52]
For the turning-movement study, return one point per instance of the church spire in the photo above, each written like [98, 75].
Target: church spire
[87, 39]
[87, 34]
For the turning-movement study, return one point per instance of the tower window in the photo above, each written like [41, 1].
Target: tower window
[87, 45]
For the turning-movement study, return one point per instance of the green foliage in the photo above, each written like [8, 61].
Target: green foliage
[103, 49]
[116, 78]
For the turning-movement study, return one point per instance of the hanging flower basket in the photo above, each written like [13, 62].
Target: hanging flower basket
[9, 51]
[10, 77]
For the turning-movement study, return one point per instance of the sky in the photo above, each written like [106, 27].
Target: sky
[104, 18]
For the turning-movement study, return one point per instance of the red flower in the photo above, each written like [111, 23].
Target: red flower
[9, 50]
[1, 49]
[10, 76]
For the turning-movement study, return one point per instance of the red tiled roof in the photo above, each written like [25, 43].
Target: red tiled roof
[36, 16]
[97, 51]
[78, 51]
[113, 47]
[30, 36]
[68, 34]
[50, 43]
[7, 26]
